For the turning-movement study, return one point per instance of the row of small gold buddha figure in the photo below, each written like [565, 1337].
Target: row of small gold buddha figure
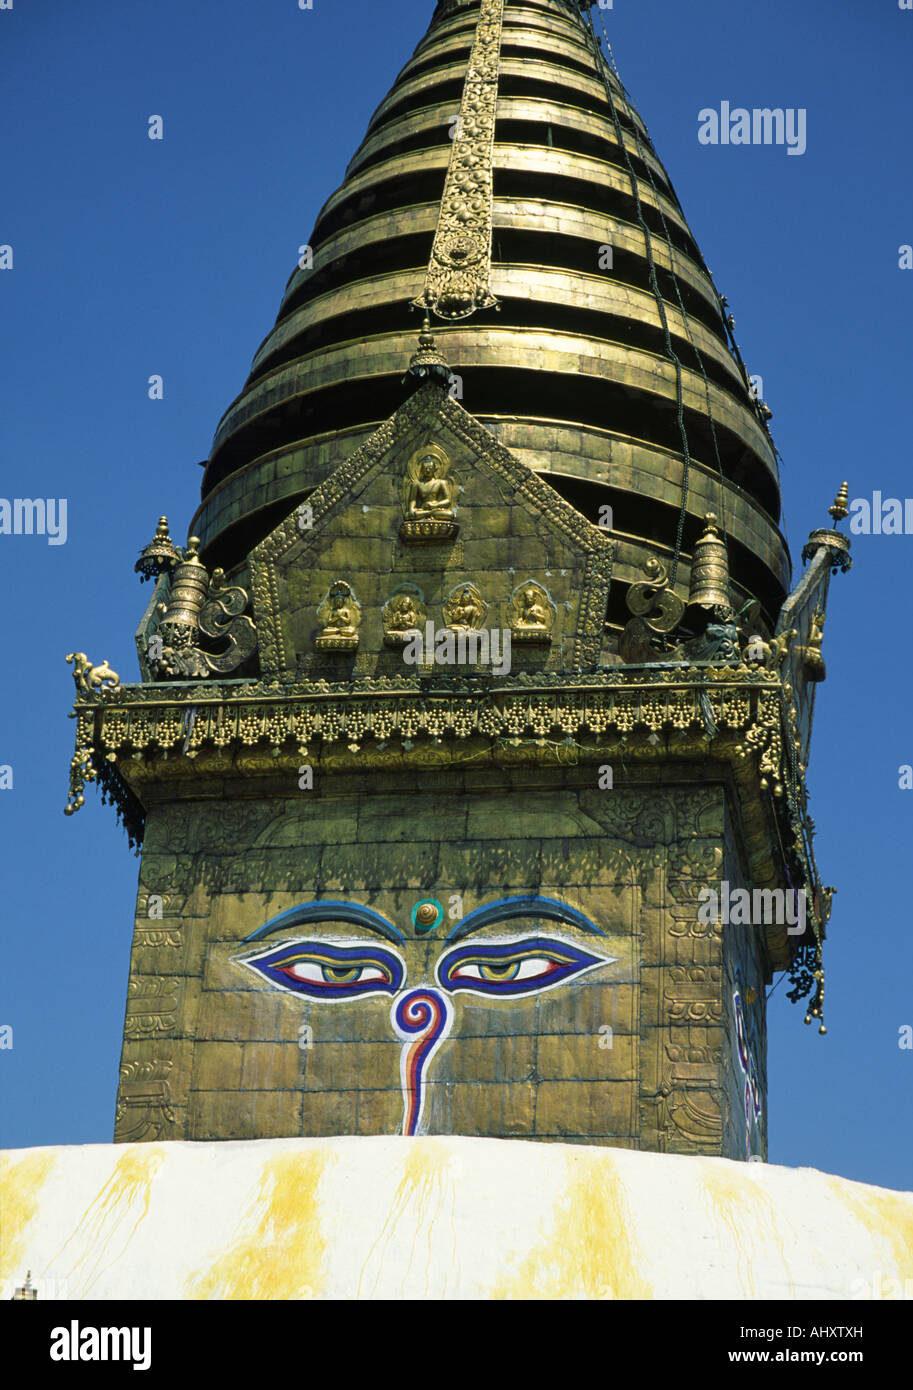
[531, 612]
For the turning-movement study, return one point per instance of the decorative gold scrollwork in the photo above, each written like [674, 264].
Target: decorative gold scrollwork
[200, 614]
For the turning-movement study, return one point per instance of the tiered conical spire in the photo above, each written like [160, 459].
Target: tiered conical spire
[604, 364]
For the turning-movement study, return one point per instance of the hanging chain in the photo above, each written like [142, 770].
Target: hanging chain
[657, 294]
[685, 316]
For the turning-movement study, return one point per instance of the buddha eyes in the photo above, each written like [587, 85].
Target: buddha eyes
[494, 967]
[326, 971]
[516, 967]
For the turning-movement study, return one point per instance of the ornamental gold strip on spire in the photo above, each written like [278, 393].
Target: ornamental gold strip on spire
[457, 283]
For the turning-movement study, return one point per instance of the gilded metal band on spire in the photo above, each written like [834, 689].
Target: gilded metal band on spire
[457, 283]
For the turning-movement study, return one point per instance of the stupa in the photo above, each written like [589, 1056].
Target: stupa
[468, 755]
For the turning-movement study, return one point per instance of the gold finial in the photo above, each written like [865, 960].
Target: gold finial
[179, 623]
[839, 510]
[427, 361]
[159, 556]
[191, 563]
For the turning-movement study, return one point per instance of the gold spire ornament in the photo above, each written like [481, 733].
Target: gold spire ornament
[657, 610]
[92, 680]
[457, 281]
[198, 609]
[810, 655]
[159, 556]
[189, 591]
[836, 543]
[654, 601]
[839, 509]
[428, 362]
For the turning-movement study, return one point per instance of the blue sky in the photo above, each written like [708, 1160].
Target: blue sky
[133, 257]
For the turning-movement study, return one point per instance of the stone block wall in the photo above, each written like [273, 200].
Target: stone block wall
[637, 1050]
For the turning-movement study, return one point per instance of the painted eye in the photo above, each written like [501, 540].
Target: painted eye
[531, 968]
[313, 972]
[327, 971]
[515, 967]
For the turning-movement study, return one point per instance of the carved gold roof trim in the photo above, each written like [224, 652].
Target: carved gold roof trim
[727, 715]
[459, 272]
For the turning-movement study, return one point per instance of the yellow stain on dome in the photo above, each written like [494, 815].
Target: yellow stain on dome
[750, 1218]
[106, 1228]
[21, 1181]
[424, 1201]
[591, 1250]
[279, 1248]
[887, 1217]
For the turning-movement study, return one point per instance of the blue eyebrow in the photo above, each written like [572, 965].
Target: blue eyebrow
[530, 906]
[327, 911]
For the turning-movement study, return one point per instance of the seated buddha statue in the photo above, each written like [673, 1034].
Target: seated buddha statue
[339, 623]
[339, 616]
[532, 613]
[464, 609]
[532, 616]
[428, 514]
[401, 615]
[430, 493]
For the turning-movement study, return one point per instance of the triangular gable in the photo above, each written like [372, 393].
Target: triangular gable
[512, 530]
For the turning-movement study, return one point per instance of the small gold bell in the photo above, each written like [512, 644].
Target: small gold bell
[709, 598]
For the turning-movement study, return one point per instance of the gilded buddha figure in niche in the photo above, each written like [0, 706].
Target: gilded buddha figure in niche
[465, 608]
[339, 616]
[403, 612]
[532, 615]
[428, 494]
